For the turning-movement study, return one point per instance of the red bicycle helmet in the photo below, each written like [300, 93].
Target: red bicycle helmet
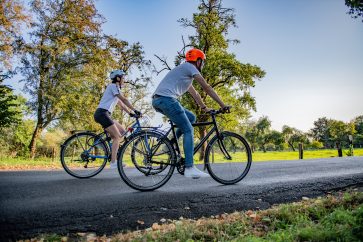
[194, 54]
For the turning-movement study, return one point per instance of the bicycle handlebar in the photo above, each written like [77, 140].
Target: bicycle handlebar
[226, 110]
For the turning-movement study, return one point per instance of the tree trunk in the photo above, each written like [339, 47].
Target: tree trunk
[252, 148]
[33, 142]
[202, 133]
[264, 148]
[292, 146]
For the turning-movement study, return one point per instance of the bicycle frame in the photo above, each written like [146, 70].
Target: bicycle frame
[198, 146]
[138, 128]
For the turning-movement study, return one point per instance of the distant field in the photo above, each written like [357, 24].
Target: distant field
[308, 154]
[46, 163]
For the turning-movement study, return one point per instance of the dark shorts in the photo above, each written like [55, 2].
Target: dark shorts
[102, 116]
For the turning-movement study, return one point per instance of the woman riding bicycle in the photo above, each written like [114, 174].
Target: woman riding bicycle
[176, 83]
[110, 98]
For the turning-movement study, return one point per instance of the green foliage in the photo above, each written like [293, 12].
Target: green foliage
[321, 131]
[10, 110]
[340, 130]
[12, 15]
[356, 8]
[16, 139]
[316, 144]
[293, 136]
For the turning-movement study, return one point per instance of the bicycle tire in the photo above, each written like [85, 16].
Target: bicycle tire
[217, 164]
[74, 159]
[131, 174]
[140, 168]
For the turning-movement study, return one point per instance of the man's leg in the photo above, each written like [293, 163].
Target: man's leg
[191, 117]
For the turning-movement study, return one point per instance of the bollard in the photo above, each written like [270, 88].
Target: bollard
[301, 149]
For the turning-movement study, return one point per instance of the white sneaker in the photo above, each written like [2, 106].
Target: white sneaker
[114, 165]
[195, 173]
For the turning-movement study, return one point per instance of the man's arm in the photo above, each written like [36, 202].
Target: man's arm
[208, 89]
[196, 96]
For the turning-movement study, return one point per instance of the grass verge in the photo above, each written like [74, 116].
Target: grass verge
[47, 163]
[334, 218]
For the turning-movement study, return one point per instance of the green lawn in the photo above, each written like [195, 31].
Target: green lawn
[308, 154]
[47, 163]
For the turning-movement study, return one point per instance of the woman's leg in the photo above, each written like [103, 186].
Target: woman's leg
[119, 126]
[116, 136]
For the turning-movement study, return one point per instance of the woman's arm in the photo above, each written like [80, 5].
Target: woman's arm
[123, 106]
[125, 102]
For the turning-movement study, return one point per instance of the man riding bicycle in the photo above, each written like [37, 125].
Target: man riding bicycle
[176, 83]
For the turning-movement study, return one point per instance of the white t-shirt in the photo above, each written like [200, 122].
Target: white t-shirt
[177, 81]
[109, 99]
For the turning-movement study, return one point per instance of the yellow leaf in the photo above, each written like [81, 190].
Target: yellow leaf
[140, 222]
[81, 234]
[155, 226]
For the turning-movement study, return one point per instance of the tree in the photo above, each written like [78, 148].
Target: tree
[9, 112]
[263, 132]
[251, 135]
[292, 136]
[340, 130]
[356, 8]
[229, 77]
[116, 54]
[65, 37]
[358, 123]
[321, 131]
[12, 16]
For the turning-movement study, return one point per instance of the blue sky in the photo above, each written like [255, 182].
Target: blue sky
[312, 51]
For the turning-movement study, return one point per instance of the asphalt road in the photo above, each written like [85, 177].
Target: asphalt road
[33, 202]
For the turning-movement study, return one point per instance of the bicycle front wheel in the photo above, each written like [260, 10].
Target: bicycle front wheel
[231, 164]
[80, 159]
[144, 171]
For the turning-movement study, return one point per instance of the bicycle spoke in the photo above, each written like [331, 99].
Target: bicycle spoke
[75, 159]
[229, 165]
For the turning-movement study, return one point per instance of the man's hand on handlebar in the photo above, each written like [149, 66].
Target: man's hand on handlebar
[226, 109]
[207, 110]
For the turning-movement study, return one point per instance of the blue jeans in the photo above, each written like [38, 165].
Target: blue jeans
[182, 118]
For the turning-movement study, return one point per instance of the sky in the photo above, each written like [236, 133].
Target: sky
[312, 52]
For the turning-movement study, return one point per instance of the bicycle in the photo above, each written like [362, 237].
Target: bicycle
[227, 156]
[85, 153]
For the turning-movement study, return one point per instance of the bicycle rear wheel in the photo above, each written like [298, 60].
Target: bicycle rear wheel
[145, 172]
[75, 156]
[224, 170]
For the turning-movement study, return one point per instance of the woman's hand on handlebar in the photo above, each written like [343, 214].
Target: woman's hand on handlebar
[136, 114]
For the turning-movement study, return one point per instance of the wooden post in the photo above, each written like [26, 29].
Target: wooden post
[301, 149]
[53, 154]
[339, 147]
[74, 148]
